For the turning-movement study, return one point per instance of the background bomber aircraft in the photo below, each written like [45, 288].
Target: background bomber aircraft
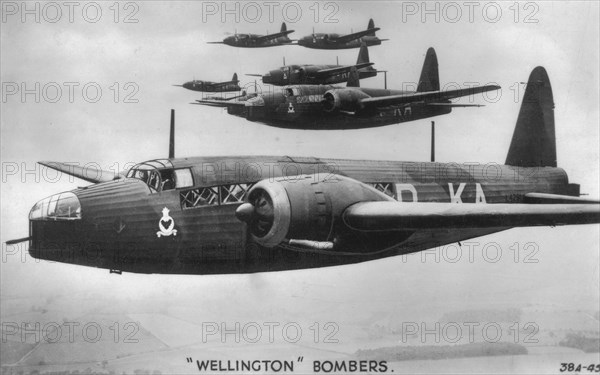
[322, 107]
[258, 41]
[274, 213]
[319, 74]
[207, 86]
[336, 41]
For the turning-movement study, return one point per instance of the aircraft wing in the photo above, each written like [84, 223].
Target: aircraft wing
[428, 97]
[273, 36]
[342, 69]
[225, 103]
[353, 36]
[402, 216]
[86, 173]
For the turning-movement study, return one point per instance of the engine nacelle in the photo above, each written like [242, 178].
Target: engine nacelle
[343, 100]
[305, 207]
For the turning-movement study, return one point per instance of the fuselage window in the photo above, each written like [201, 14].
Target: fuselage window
[233, 193]
[207, 196]
[214, 195]
[183, 178]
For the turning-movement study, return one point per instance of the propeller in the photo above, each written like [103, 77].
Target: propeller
[258, 213]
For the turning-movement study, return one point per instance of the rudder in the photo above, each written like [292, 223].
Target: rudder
[363, 54]
[534, 141]
[430, 79]
[353, 78]
[235, 78]
[283, 27]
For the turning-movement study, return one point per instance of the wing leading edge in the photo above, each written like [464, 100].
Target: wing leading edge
[380, 216]
[429, 97]
[351, 37]
[273, 36]
[342, 69]
[86, 173]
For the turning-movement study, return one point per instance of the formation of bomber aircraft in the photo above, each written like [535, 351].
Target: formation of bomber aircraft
[305, 98]
[336, 41]
[323, 107]
[258, 41]
[273, 213]
[315, 40]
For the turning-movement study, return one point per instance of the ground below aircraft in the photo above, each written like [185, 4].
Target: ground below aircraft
[336, 41]
[319, 74]
[207, 86]
[258, 41]
[325, 107]
[241, 214]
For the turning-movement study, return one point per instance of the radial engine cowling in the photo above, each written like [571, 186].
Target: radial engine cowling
[343, 100]
[305, 207]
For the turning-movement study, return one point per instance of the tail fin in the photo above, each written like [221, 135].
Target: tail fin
[534, 142]
[283, 27]
[430, 79]
[363, 54]
[353, 78]
[235, 78]
[371, 26]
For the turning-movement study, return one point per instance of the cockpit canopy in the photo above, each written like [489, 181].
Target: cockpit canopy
[64, 206]
[160, 175]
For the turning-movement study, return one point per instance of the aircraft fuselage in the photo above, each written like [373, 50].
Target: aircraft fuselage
[326, 41]
[127, 225]
[252, 41]
[205, 86]
[307, 74]
[301, 107]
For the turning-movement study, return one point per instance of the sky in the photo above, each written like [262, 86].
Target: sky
[135, 65]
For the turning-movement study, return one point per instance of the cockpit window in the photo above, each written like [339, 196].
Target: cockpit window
[159, 175]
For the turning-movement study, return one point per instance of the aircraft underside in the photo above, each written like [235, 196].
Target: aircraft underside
[301, 116]
[235, 253]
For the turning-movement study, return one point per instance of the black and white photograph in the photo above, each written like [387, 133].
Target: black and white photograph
[300, 187]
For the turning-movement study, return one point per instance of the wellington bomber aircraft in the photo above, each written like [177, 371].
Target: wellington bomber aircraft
[242, 214]
[258, 41]
[323, 107]
[336, 41]
[207, 86]
[319, 74]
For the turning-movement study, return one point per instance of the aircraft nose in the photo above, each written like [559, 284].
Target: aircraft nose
[55, 225]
